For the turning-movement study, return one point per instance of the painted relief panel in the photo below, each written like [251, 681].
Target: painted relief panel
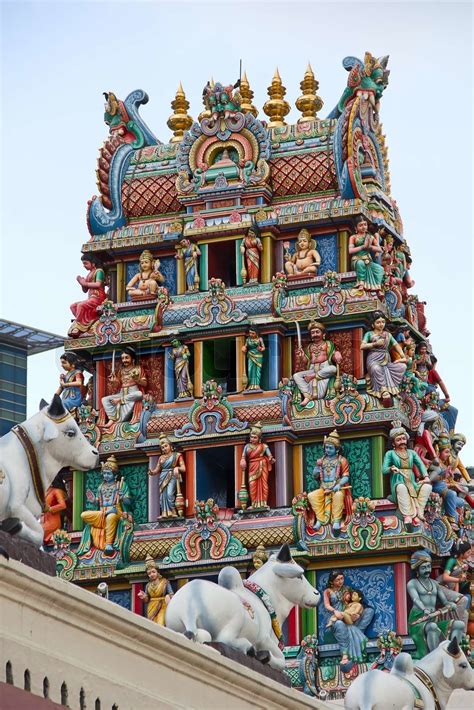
[137, 478]
[358, 452]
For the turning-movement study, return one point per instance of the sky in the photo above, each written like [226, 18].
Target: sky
[58, 57]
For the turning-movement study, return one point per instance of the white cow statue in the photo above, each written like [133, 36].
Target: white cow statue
[31, 454]
[246, 615]
[430, 680]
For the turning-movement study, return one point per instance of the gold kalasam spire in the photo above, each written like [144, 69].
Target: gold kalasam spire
[246, 94]
[276, 108]
[309, 103]
[179, 121]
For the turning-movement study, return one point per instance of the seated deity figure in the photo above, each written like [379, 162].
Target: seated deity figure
[144, 285]
[85, 312]
[257, 460]
[104, 527]
[328, 501]
[130, 382]
[181, 356]
[384, 372]
[170, 469]
[317, 382]
[426, 624]
[306, 259]
[365, 249]
[410, 495]
[157, 594]
[251, 249]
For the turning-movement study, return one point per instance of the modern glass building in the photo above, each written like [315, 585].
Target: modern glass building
[16, 343]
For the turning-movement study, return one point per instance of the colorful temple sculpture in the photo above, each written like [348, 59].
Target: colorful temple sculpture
[254, 369]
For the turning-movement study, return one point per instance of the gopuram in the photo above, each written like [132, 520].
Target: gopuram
[250, 360]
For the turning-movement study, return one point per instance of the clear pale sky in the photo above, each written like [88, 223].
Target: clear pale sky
[58, 57]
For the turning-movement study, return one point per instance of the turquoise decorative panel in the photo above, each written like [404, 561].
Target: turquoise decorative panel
[358, 452]
[137, 478]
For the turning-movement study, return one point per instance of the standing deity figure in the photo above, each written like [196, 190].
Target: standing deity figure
[317, 382]
[332, 470]
[170, 468]
[130, 382]
[71, 384]
[55, 506]
[365, 249]
[181, 356]
[251, 248]
[349, 618]
[384, 375]
[306, 259]
[189, 253]
[104, 527]
[157, 594]
[411, 495]
[257, 460]
[85, 312]
[144, 285]
[253, 349]
[426, 624]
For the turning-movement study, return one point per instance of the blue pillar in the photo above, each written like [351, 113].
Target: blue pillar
[169, 376]
[274, 361]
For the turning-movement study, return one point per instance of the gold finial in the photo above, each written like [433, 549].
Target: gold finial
[246, 94]
[309, 103]
[276, 108]
[179, 121]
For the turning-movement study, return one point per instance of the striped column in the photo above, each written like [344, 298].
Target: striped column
[238, 449]
[197, 382]
[274, 361]
[282, 481]
[377, 459]
[77, 499]
[238, 263]
[343, 249]
[203, 267]
[137, 604]
[121, 293]
[190, 476]
[401, 612]
[267, 258]
[153, 491]
[297, 469]
[309, 618]
[169, 376]
[287, 356]
[180, 277]
[240, 358]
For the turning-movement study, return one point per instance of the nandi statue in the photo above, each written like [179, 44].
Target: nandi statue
[246, 615]
[427, 684]
[31, 454]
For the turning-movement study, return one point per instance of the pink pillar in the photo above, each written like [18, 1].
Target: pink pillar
[137, 604]
[401, 611]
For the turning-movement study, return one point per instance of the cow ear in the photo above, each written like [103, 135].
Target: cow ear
[50, 430]
[283, 569]
[56, 408]
[284, 554]
[42, 404]
[453, 648]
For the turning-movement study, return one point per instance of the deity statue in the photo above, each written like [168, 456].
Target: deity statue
[410, 494]
[55, 506]
[306, 259]
[323, 359]
[189, 252]
[426, 624]
[365, 248]
[349, 618]
[104, 526]
[259, 557]
[170, 468]
[130, 382]
[459, 472]
[441, 476]
[157, 594]
[85, 312]
[333, 495]
[254, 348]
[384, 374]
[181, 356]
[71, 385]
[455, 578]
[257, 460]
[144, 285]
[251, 248]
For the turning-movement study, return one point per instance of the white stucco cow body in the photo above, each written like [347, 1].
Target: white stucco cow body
[230, 613]
[56, 441]
[442, 671]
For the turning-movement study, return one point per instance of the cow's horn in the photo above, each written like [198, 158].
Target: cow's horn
[56, 408]
[284, 554]
[453, 648]
[43, 404]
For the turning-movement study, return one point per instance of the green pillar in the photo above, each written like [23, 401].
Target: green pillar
[203, 270]
[377, 458]
[238, 262]
[309, 617]
[77, 499]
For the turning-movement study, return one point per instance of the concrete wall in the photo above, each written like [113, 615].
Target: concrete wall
[63, 633]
